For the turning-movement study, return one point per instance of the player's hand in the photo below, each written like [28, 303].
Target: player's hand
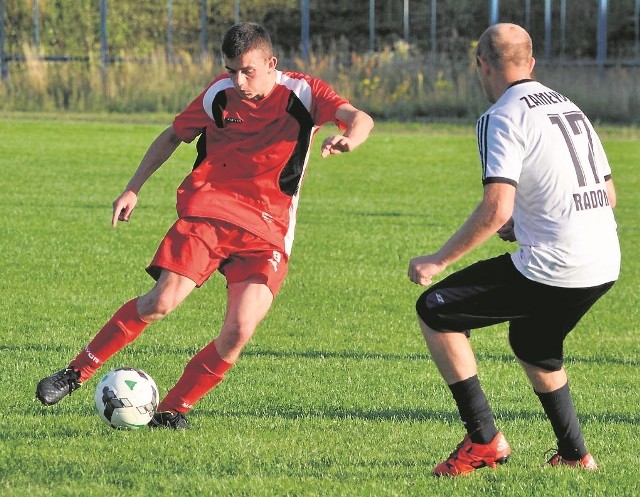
[123, 206]
[423, 268]
[335, 144]
[506, 232]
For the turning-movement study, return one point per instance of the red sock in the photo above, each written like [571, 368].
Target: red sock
[122, 329]
[203, 372]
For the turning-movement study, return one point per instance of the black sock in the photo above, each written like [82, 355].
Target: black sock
[474, 410]
[561, 413]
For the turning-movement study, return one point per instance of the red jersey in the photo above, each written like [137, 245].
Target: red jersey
[255, 154]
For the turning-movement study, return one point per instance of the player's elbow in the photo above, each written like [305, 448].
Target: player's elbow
[366, 121]
[503, 214]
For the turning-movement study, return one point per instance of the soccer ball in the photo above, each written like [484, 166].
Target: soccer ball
[126, 398]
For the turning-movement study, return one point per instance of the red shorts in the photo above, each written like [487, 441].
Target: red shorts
[196, 247]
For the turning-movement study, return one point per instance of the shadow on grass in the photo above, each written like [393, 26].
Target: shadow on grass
[315, 413]
[402, 415]
[65, 351]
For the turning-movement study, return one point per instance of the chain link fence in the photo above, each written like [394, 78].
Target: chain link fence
[564, 31]
[398, 59]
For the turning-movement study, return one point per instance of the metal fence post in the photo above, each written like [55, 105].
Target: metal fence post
[563, 26]
[170, 31]
[103, 34]
[494, 9]
[372, 26]
[434, 29]
[405, 20]
[36, 27]
[547, 30]
[636, 27]
[304, 29]
[203, 29]
[601, 54]
[4, 70]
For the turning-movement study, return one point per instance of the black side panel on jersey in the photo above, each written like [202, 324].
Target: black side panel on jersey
[201, 148]
[292, 173]
[218, 104]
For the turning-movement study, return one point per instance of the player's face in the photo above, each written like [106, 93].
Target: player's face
[253, 74]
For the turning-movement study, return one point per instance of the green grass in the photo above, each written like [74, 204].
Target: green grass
[335, 395]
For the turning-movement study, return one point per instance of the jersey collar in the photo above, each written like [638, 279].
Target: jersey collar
[520, 81]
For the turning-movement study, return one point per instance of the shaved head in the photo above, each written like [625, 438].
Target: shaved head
[505, 44]
[504, 56]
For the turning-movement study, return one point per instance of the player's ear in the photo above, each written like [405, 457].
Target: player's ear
[273, 62]
[483, 66]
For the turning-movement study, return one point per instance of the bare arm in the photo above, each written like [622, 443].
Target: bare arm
[490, 215]
[159, 151]
[611, 193]
[359, 125]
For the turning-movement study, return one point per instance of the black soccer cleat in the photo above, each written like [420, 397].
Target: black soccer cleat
[54, 388]
[168, 419]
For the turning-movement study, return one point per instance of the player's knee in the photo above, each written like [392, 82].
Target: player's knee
[429, 314]
[422, 311]
[237, 333]
[153, 307]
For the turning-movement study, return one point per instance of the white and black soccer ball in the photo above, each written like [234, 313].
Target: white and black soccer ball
[126, 398]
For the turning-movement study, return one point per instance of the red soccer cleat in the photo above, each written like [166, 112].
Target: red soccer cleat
[587, 462]
[469, 456]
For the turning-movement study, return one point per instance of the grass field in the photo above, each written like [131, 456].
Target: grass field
[335, 395]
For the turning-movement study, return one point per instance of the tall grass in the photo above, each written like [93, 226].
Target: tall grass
[398, 82]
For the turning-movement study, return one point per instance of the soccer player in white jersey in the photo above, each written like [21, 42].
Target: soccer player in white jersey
[236, 210]
[547, 185]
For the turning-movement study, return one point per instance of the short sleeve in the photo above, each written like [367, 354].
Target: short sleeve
[326, 103]
[189, 123]
[502, 149]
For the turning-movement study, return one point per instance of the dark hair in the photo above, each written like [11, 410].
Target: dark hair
[246, 36]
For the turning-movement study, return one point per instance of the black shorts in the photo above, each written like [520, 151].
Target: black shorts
[493, 291]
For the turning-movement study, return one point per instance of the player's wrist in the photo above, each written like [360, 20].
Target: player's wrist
[130, 189]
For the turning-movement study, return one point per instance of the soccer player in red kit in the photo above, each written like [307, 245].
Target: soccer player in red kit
[236, 210]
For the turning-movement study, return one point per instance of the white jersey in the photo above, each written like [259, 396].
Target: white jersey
[539, 141]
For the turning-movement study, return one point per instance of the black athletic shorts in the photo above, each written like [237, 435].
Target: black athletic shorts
[493, 291]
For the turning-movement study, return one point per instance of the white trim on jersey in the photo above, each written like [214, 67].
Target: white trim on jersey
[299, 86]
[302, 89]
[211, 93]
[293, 209]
